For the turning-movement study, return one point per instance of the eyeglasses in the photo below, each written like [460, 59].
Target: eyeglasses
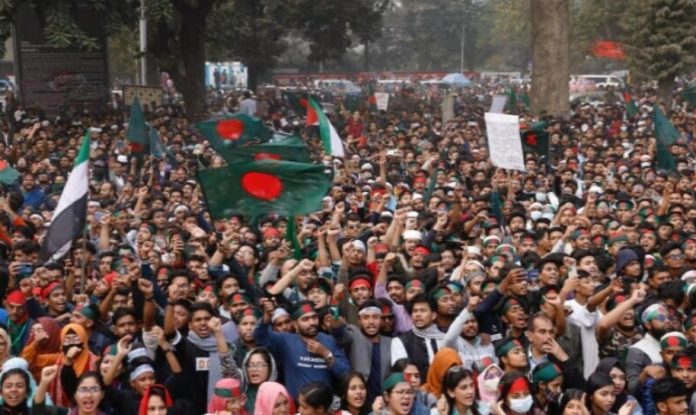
[88, 389]
[257, 366]
[404, 392]
[675, 256]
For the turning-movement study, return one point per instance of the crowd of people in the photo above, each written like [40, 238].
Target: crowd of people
[430, 282]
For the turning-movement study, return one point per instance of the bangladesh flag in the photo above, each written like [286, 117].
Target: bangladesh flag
[536, 139]
[298, 101]
[631, 107]
[290, 148]
[688, 94]
[158, 149]
[371, 98]
[329, 136]
[137, 131]
[666, 135]
[8, 175]
[264, 187]
[236, 130]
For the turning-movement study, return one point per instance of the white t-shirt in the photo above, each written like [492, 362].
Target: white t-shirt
[587, 322]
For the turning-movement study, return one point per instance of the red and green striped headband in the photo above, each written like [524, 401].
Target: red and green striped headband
[415, 284]
[673, 339]
[546, 373]
[685, 361]
[392, 380]
[441, 292]
[250, 312]
[302, 310]
[235, 392]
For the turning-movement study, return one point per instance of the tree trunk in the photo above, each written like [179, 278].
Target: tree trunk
[550, 57]
[664, 91]
[192, 86]
[252, 76]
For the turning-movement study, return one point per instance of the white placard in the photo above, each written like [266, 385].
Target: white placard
[498, 104]
[504, 143]
[382, 99]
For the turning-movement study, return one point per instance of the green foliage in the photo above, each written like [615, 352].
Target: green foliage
[661, 41]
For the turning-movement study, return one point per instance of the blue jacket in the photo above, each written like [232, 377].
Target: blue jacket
[299, 366]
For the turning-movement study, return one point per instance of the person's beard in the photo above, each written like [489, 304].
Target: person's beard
[657, 333]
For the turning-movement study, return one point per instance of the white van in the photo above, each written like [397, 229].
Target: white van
[336, 86]
[603, 81]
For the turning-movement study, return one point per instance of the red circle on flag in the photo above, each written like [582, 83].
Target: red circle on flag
[304, 103]
[267, 156]
[3, 164]
[230, 129]
[262, 186]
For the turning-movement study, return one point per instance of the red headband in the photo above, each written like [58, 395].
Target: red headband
[360, 282]
[519, 385]
[421, 250]
[47, 290]
[17, 298]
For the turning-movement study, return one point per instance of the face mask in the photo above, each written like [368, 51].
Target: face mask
[551, 396]
[491, 385]
[624, 128]
[535, 215]
[483, 408]
[541, 197]
[521, 406]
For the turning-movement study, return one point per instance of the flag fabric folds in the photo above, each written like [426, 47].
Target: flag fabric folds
[666, 135]
[688, 94]
[329, 136]
[137, 130]
[70, 215]
[232, 131]
[290, 148]
[631, 107]
[264, 187]
[536, 139]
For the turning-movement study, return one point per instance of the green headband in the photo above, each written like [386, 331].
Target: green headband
[392, 380]
[546, 373]
[441, 292]
[504, 348]
[89, 313]
[673, 341]
[301, 311]
[228, 393]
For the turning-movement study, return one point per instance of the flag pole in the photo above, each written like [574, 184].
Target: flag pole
[83, 265]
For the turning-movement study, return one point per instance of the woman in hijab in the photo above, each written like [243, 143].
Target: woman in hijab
[45, 334]
[75, 353]
[273, 399]
[616, 372]
[229, 396]
[444, 359]
[156, 401]
[258, 367]
[17, 387]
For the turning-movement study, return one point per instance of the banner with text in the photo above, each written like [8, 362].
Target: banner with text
[382, 99]
[504, 142]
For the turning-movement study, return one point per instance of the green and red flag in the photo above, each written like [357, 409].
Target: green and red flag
[290, 148]
[371, 98]
[666, 135]
[631, 107]
[137, 131]
[298, 101]
[688, 94]
[329, 136]
[536, 139]
[227, 133]
[8, 175]
[265, 187]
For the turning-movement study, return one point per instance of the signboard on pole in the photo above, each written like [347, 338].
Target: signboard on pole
[447, 108]
[382, 99]
[146, 94]
[504, 143]
[56, 79]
